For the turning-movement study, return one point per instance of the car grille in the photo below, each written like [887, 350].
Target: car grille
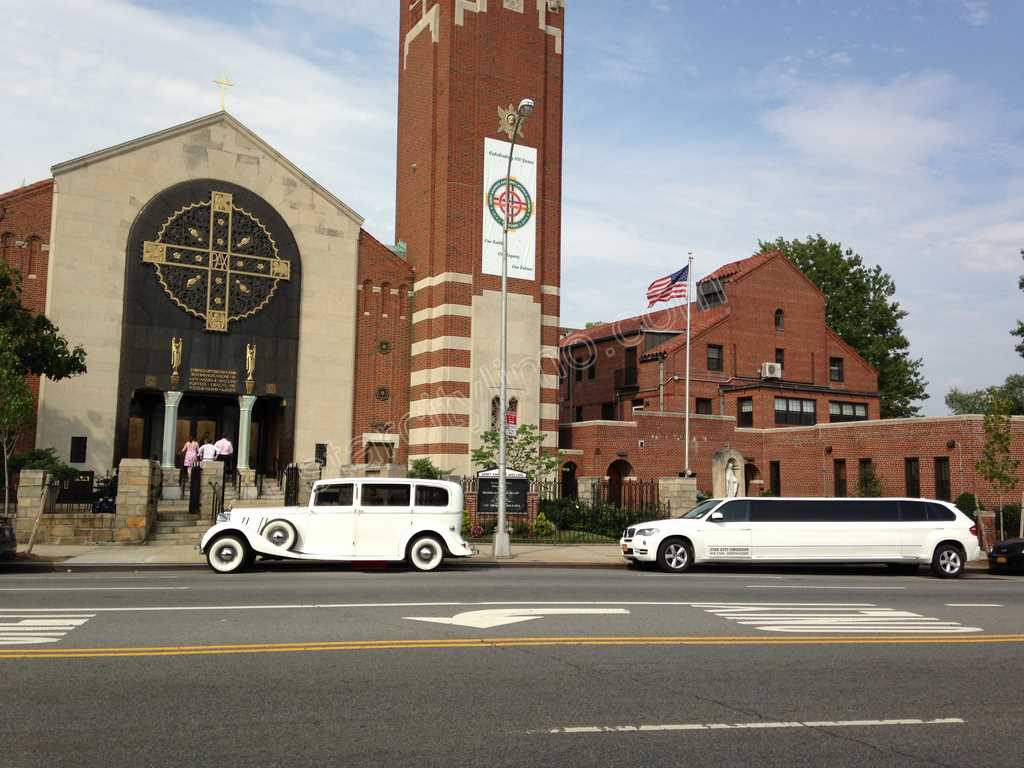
[629, 533]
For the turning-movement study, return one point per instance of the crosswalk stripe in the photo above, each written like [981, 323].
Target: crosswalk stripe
[831, 617]
[35, 629]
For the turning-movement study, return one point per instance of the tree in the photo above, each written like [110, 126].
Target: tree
[975, 402]
[1019, 330]
[859, 307]
[868, 484]
[38, 346]
[425, 469]
[524, 452]
[997, 465]
[16, 407]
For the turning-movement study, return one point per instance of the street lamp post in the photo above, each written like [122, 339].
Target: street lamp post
[502, 542]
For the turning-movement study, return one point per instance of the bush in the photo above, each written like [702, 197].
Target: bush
[425, 469]
[1009, 515]
[467, 524]
[967, 503]
[542, 526]
[868, 484]
[42, 458]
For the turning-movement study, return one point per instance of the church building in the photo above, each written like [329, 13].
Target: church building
[218, 290]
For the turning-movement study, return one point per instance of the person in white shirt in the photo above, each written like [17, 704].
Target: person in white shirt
[224, 448]
[207, 451]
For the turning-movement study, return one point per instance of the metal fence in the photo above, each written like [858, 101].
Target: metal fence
[80, 494]
[559, 511]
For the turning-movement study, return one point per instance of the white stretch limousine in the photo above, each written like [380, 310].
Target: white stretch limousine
[907, 532]
[418, 521]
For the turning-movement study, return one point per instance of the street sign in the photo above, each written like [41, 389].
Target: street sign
[497, 617]
[516, 491]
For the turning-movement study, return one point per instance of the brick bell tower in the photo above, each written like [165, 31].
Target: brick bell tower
[463, 64]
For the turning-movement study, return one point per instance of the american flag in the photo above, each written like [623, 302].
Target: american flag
[667, 288]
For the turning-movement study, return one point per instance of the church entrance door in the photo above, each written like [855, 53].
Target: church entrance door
[202, 417]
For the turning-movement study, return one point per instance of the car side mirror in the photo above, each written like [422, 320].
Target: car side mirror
[716, 517]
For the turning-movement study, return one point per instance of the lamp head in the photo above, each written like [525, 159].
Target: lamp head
[525, 108]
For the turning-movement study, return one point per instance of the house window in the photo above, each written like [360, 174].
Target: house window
[714, 357]
[592, 368]
[794, 411]
[579, 369]
[942, 490]
[78, 450]
[864, 469]
[847, 411]
[839, 477]
[745, 412]
[608, 411]
[835, 369]
[579, 413]
[912, 476]
[704, 406]
[780, 320]
[775, 478]
[780, 357]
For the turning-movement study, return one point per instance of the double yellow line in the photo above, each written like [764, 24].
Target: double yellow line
[498, 642]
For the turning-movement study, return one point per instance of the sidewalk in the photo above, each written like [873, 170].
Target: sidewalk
[185, 555]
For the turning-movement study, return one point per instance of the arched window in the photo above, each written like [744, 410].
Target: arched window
[35, 247]
[7, 248]
[403, 301]
[385, 298]
[367, 296]
[780, 320]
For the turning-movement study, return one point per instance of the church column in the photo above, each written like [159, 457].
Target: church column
[246, 476]
[171, 400]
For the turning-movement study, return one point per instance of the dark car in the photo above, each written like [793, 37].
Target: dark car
[8, 544]
[1007, 555]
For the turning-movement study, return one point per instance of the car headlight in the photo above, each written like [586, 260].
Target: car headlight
[223, 517]
[646, 531]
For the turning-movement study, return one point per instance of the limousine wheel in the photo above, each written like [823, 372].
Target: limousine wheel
[675, 556]
[228, 554]
[948, 561]
[425, 553]
[280, 533]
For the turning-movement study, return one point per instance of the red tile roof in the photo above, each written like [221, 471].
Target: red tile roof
[672, 319]
[739, 268]
[703, 319]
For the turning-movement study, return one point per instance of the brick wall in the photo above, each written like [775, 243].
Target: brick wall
[383, 329]
[25, 245]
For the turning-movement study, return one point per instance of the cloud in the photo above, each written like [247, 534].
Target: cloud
[87, 75]
[977, 13]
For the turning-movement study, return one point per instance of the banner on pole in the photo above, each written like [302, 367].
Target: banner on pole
[518, 201]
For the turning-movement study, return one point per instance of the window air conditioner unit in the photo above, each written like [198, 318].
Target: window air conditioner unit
[771, 371]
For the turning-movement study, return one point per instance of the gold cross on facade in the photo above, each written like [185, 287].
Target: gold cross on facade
[224, 84]
[210, 266]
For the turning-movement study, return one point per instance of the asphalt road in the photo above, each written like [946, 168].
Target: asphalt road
[480, 666]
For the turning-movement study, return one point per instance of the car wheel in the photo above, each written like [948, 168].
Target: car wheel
[280, 533]
[675, 556]
[425, 553]
[948, 561]
[228, 554]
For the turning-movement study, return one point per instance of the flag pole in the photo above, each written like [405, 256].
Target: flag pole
[686, 430]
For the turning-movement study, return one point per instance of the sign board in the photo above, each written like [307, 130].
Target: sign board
[510, 418]
[516, 200]
[517, 487]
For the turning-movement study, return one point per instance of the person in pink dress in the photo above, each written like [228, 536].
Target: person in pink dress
[191, 451]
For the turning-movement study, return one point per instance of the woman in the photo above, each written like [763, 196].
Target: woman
[191, 451]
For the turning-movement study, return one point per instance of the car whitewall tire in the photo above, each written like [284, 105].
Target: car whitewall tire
[228, 554]
[280, 533]
[425, 553]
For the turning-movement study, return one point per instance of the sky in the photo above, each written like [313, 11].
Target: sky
[893, 126]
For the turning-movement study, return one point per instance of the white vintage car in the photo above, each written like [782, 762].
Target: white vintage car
[418, 521]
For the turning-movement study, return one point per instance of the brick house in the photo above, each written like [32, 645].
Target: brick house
[770, 379]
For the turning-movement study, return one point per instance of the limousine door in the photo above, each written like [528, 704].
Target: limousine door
[825, 529]
[728, 538]
[383, 516]
[330, 525]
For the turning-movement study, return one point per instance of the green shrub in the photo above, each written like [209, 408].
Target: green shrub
[42, 458]
[868, 484]
[467, 524]
[967, 503]
[425, 469]
[542, 526]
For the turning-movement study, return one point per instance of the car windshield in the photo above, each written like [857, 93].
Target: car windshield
[701, 509]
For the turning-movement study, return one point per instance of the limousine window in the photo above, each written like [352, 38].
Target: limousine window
[333, 496]
[385, 495]
[431, 496]
[701, 509]
[913, 511]
[939, 513]
[785, 511]
[735, 511]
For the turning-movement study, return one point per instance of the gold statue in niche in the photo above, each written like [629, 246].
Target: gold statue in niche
[250, 367]
[176, 346]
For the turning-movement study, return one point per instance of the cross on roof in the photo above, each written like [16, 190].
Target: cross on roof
[224, 84]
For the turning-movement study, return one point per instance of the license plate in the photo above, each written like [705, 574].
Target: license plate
[1000, 559]
[626, 549]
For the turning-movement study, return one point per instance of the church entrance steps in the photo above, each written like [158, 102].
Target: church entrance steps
[162, 516]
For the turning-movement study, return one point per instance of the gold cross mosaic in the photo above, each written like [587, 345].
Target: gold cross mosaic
[216, 261]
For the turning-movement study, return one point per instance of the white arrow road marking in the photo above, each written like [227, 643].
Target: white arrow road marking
[501, 616]
[832, 617]
[33, 629]
[759, 724]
